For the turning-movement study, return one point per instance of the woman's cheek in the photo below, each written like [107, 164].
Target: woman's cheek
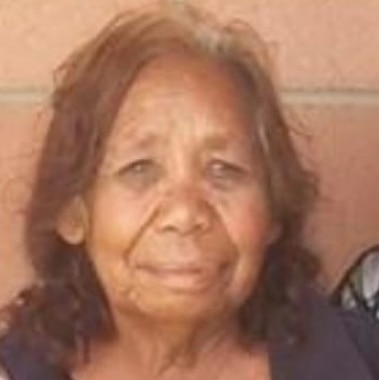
[247, 217]
[117, 220]
[247, 220]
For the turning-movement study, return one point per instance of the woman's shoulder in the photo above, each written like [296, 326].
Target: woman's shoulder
[19, 361]
[352, 333]
[332, 336]
[363, 330]
[355, 328]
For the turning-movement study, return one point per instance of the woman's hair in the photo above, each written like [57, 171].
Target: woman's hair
[66, 311]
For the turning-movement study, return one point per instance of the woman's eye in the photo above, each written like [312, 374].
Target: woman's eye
[224, 173]
[140, 173]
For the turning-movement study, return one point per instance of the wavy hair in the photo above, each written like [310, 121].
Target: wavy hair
[66, 311]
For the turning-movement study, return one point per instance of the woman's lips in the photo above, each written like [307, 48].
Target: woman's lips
[184, 278]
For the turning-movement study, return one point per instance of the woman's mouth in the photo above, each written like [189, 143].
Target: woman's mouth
[181, 277]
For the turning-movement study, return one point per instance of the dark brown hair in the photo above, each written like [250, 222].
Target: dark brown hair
[66, 311]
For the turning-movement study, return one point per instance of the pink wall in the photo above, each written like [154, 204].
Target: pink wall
[327, 62]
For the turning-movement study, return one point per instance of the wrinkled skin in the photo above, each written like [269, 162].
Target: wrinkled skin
[177, 224]
[178, 220]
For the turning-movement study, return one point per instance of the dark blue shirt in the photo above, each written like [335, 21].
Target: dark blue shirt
[340, 345]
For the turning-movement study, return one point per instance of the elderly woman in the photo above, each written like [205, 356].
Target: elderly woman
[166, 219]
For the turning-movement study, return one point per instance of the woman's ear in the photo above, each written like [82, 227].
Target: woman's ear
[71, 224]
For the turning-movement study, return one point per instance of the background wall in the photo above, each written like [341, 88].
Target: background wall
[327, 65]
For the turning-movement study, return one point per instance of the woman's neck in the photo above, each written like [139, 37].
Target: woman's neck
[164, 345]
[172, 351]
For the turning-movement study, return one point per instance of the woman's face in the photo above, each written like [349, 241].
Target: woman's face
[178, 220]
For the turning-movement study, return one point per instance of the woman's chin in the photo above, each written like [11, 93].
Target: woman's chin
[176, 304]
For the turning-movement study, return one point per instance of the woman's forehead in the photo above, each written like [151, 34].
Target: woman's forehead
[183, 89]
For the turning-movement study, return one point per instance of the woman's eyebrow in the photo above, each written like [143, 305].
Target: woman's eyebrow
[217, 142]
[145, 141]
[135, 141]
[225, 142]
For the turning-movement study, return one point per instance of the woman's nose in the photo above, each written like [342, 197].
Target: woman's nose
[185, 210]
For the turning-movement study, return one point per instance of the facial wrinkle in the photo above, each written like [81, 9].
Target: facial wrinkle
[181, 141]
[149, 218]
[185, 138]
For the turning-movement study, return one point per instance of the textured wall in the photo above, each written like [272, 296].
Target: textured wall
[327, 63]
